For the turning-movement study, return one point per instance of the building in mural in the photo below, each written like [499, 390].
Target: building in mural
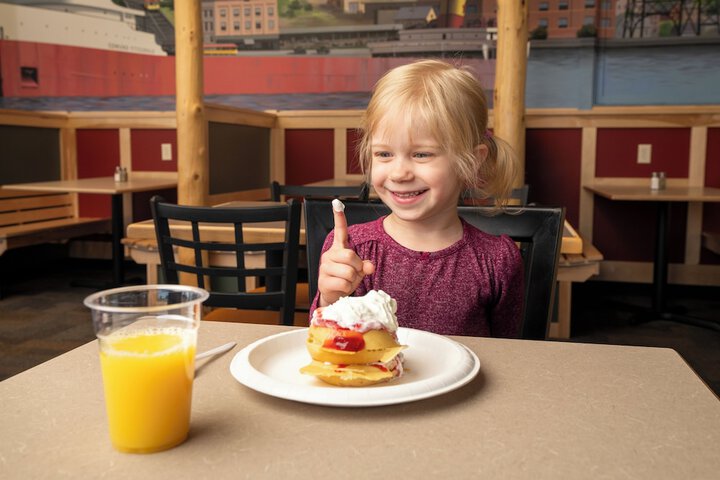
[250, 24]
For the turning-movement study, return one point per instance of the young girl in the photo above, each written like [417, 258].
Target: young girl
[425, 140]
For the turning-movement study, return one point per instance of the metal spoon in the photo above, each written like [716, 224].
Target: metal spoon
[215, 351]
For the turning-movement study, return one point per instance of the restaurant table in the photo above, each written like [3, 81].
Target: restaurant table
[266, 232]
[535, 410]
[662, 198]
[104, 186]
[275, 231]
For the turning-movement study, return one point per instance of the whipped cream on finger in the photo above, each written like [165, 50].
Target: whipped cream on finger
[338, 206]
[373, 311]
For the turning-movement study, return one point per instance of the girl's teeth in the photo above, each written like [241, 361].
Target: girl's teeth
[408, 195]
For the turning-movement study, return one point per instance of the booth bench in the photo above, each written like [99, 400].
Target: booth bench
[31, 218]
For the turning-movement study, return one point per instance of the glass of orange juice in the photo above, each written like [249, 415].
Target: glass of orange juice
[147, 336]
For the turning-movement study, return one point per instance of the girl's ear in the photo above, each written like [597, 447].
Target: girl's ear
[481, 153]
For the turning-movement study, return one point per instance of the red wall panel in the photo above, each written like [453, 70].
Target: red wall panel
[552, 168]
[617, 152]
[711, 211]
[98, 153]
[145, 146]
[309, 156]
[712, 160]
[353, 161]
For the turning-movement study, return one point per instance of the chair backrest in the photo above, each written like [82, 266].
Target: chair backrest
[538, 230]
[187, 230]
[520, 194]
[360, 191]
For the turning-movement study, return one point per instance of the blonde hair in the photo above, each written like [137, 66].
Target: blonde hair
[450, 103]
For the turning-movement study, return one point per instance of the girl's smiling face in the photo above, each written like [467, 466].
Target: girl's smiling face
[412, 174]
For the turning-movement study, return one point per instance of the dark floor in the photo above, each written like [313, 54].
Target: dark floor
[42, 315]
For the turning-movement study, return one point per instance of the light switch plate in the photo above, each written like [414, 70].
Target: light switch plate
[644, 153]
[165, 151]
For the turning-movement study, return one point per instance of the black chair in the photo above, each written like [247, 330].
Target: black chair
[227, 284]
[538, 230]
[472, 196]
[359, 192]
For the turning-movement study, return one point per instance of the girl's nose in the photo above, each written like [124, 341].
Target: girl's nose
[401, 170]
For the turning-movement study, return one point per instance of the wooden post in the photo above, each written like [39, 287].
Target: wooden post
[510, 71]
[192, 136]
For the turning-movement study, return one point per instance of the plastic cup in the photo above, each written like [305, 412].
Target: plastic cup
[147, 336]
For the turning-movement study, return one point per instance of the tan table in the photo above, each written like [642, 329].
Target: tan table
[537, 410]
[663, 198]
[252, 233]
[104, 186]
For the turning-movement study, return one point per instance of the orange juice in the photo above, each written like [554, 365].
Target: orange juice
[148, 377]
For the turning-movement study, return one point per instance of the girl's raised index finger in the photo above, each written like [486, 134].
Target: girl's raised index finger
[341, 234]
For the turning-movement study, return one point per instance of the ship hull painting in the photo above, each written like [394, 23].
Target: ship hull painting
[75, 71]
[102, 25]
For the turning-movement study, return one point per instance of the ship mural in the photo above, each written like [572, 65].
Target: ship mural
[99, 24]
[581, 52]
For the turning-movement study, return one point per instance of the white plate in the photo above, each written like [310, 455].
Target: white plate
[433, 365]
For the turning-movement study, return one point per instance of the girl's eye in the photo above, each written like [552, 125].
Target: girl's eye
[382, 155]
[422, 155]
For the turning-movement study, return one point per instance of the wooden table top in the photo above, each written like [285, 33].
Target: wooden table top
[275, 231]
[266, 232]
[643, 193]
[536, 410]
[102, 185]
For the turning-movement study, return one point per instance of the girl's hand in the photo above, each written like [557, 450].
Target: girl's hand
[341, 269]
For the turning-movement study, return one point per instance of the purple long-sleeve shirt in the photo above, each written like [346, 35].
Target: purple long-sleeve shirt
[473, 287]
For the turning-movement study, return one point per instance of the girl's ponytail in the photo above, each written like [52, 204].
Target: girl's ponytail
[496, 174]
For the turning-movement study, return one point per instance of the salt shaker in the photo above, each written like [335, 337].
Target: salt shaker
[655, 181]
[118, 174]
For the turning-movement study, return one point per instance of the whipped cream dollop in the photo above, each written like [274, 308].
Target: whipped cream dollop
[373, 311]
